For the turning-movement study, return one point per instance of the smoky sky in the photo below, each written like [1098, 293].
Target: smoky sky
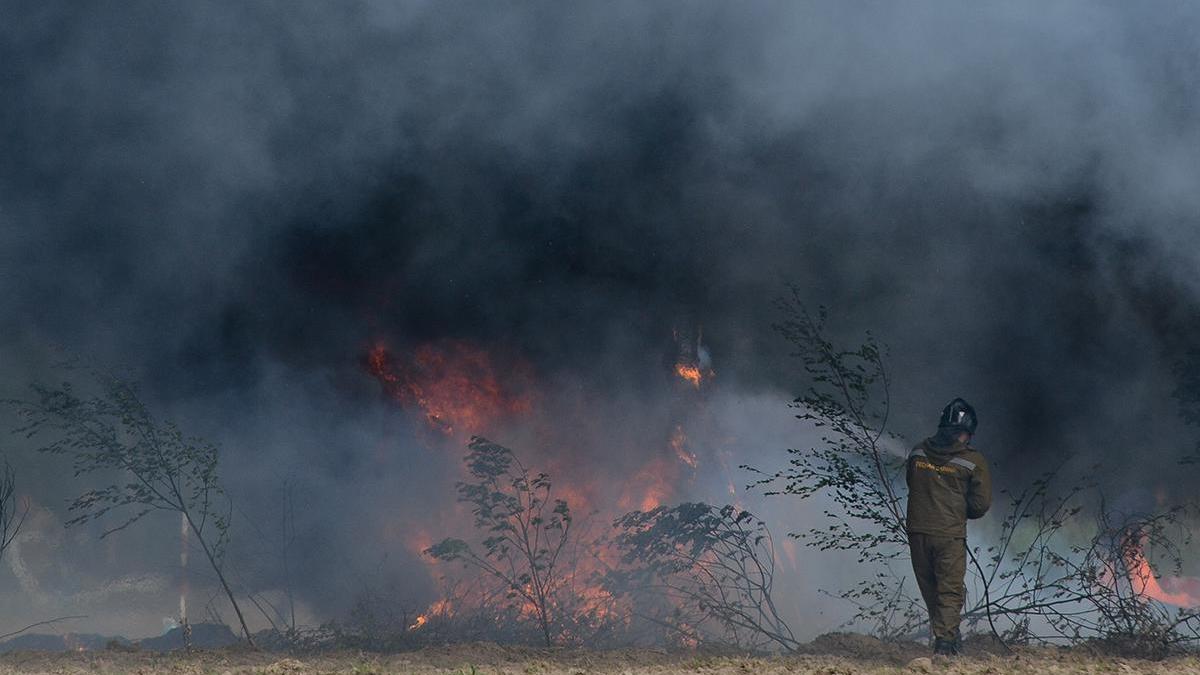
[235, 201]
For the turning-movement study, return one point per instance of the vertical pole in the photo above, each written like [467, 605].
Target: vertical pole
[183, 582]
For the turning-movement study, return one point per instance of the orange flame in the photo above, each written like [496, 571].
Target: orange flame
[439, 608]
[1180, 591]
[691, 374]
[679, 445]
[650, 487]
[461, 388]
[454, 383]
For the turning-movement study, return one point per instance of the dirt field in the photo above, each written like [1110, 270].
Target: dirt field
[491, 659]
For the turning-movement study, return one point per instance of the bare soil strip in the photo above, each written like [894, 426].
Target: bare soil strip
[481, 659]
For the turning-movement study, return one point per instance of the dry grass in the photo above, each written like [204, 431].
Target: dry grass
[490, 659]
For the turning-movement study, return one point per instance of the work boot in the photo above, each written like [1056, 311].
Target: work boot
[944, 647]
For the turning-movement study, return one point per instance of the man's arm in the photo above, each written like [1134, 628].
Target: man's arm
[979, 492]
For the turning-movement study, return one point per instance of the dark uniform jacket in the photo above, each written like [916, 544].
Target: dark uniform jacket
[946, 486]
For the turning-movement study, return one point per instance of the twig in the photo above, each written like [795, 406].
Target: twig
[42, 623]
[987, 599]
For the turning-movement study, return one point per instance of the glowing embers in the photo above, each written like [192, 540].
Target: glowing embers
[460, 388]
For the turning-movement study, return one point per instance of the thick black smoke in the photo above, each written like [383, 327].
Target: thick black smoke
[236, 201]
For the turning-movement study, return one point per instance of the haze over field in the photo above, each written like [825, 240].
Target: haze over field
[537, 212]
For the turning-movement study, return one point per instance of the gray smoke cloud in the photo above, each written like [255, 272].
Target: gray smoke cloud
[235, 202]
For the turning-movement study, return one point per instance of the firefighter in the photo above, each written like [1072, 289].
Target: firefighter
[948, 483]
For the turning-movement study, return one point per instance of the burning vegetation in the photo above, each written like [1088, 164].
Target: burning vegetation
[456, 385]
[1146, 583]
[691, 374]
[524, 556]
[540, 562]
[693, 364]
[556, 559]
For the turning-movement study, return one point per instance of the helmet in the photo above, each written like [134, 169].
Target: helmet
[958, 415]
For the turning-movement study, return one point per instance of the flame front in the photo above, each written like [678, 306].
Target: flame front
[462, 389]
[454, 383]
[438, 608]
[1179, 591]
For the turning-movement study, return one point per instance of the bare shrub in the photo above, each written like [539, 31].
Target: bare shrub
[12, 516]
[153, 466]
[1036, 583]
[693, 566]
[848, 399]
[528, 546]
